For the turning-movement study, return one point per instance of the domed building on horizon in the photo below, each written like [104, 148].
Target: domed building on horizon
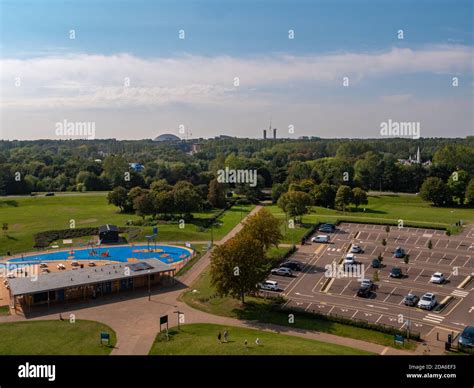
[166, 137]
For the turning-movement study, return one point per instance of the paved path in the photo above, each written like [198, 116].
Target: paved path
[135, 318]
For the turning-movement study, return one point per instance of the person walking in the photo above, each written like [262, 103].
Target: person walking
[226, 334]
[219, 337]
[257, 341]
[245, 343]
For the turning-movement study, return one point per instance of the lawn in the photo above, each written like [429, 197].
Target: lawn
[26, 216]
[54, 338]
[382, 209]
[203, 296]
[201, 339]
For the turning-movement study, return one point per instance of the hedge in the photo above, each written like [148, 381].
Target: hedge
[44, 239]
[347, 321]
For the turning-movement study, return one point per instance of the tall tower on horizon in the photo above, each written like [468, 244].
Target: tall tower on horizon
[264, 134]
[418, 156]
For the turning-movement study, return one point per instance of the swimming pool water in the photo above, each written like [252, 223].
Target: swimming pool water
[166, 253]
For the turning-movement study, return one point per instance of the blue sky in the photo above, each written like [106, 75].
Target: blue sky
[190, 81]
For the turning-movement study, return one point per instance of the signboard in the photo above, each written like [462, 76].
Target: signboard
[104, 338]
[163, 319]
[399, 339]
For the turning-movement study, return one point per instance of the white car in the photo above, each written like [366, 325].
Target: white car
[356, 249]
[350, 259]
[427, 301]
[269, 285]
[322, 238]
[437, 278]
[282, 271]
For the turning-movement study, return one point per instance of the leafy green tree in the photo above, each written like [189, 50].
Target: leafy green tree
[295, 203]
[343, 197]
[144, 204]
[324, 195]
[359, 197]
[435, 190]
[264, 227]
[216, 195]
[118, 197]
[237, 266]
[470, 193]
[277, 190]
[163, 202]
[457, 184]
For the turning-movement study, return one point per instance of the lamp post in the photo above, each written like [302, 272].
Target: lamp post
[149, 287]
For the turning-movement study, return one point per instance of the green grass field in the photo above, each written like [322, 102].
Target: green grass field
[54, 338]
[382, 209]
[201, 339]
[26, 216]
[202, 296]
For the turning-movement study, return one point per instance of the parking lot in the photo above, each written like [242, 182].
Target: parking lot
[312, 290]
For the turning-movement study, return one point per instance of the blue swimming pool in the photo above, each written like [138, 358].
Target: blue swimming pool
[168, 254]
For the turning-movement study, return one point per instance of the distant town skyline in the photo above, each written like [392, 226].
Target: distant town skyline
[138, 69]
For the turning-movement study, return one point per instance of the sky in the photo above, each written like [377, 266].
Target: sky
[137, 69]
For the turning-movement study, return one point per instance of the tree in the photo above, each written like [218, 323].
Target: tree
[216, 195]
[359, 197]
[435, 190]
[118, 197]
[144, 205]
[277, 190]
[186, 199]
[264, 227]
[237, 266]
[163, 202]
[295, 203]
[324, 195]
[470, 193]
[343, 197]
[457, 184]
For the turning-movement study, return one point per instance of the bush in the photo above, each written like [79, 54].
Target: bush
[43, 239]
[350, 322]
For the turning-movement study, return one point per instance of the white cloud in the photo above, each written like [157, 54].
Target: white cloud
[96, 81]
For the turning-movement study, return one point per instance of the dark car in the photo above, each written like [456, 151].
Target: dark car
[49, 195]
[294, 266]
[364, 291]
[399, 253]
[396, 272]
[376, 263]
[327, 228]
[410, 300]
[466, 339]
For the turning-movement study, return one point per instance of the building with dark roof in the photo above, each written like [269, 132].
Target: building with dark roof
[109, 234]
[86, 283]
[166, 137]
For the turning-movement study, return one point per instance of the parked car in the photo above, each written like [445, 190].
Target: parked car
[466, 339]
[49, 195]
[376, 263]
[326, 228]
[427, 301]
[321, 238]
[269, 285]
[410, 300]
[437, 278]
[293, 265]
[364, 291]
[399, 253]
[396, 272]
[282, 271]
[367, 283]
[349, 260]
[356, 249]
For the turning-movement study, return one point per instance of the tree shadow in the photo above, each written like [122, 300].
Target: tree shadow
[9, 202]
